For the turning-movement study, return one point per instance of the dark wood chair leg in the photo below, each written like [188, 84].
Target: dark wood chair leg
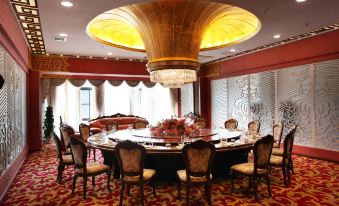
[153, 185]
[73, 184]
[209, 199]
[250, 184]
[93, 181]
[187, 194]
[121, 192]
[255, 183]
[58, 175]
[109, 180]
[94, 151]
[179, 188]
[142, 194]
[288, 174]
[85, 187]
[128, 190]
[290, 162]
[284, 174]
[268, 185]
[232, 181]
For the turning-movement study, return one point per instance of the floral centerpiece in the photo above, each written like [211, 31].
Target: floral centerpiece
[174, 127]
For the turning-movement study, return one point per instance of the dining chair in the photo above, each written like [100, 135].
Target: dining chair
[259, 168]
[231, 124]
[284, 161]
[253, 127]
[139, 124]
[110, 125]
[198, 158]
[277, 134]
[280, 151]
[63, 160]
[85, 133]
[201, 123]
[131, 158]
[84, 169]
[65, 132]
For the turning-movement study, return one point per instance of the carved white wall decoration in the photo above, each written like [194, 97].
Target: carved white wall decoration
[307, 95]
[187, 104]
[12, 110]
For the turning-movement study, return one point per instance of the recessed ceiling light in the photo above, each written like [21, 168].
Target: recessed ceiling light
[60, 39]
[66, 3]
[63, 34]
[276, 36]
[232, 50]
[109, 53]
[299, 1]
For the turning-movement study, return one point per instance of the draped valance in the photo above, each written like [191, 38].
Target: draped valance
[79, 82]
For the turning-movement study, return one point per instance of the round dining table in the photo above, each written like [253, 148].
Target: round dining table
[164, 153]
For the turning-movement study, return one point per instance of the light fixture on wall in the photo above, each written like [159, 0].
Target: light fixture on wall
[172, 33]
[66, 3]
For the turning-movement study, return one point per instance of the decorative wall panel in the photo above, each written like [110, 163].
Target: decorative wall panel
[327, 104]
[12, 110]
[187, 104]
[306, 95]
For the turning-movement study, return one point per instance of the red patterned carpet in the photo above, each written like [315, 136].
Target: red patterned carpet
[315, 182]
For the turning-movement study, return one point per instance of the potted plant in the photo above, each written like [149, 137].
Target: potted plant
[48, 124]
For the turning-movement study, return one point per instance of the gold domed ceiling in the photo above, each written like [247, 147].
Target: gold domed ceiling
[172, 33]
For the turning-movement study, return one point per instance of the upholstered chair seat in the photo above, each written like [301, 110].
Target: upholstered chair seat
[148, 174]
[247, 168]
[276, 160]
[262, 150]
[198, 158]
[85, 133]
[84, 169]
[183, 177]
[63, 160]
[283, 158]
[277, 151]
[93, 168]
[131, 158]
[67, 159]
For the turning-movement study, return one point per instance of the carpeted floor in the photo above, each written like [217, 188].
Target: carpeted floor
[315, 182]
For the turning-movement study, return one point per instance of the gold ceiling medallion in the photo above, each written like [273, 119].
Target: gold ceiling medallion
[173, 32]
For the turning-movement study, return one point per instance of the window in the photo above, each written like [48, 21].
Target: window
[85, 103]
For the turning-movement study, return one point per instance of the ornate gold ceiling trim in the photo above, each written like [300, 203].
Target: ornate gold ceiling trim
[27, 13]
[50, 63]
[274, 44]
[209, 70]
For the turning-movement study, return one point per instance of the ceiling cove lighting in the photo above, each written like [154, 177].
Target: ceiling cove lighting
[299, 1]
[66, 3]
[172, 37]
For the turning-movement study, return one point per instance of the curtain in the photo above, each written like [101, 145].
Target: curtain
[99, 95]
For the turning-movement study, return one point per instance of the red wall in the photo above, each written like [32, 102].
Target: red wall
[13, 40]
[11, 36]
[102, 66]
[314, 49]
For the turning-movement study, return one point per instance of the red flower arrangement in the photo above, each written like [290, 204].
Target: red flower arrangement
[173, 127]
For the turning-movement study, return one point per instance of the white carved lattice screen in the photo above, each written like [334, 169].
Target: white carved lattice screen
[12, 110]
[307, 95]
[187, 99]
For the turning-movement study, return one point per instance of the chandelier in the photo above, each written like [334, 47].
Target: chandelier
[172, 33]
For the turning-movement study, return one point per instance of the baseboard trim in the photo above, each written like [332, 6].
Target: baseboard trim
[329, 155]
[7, 178]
